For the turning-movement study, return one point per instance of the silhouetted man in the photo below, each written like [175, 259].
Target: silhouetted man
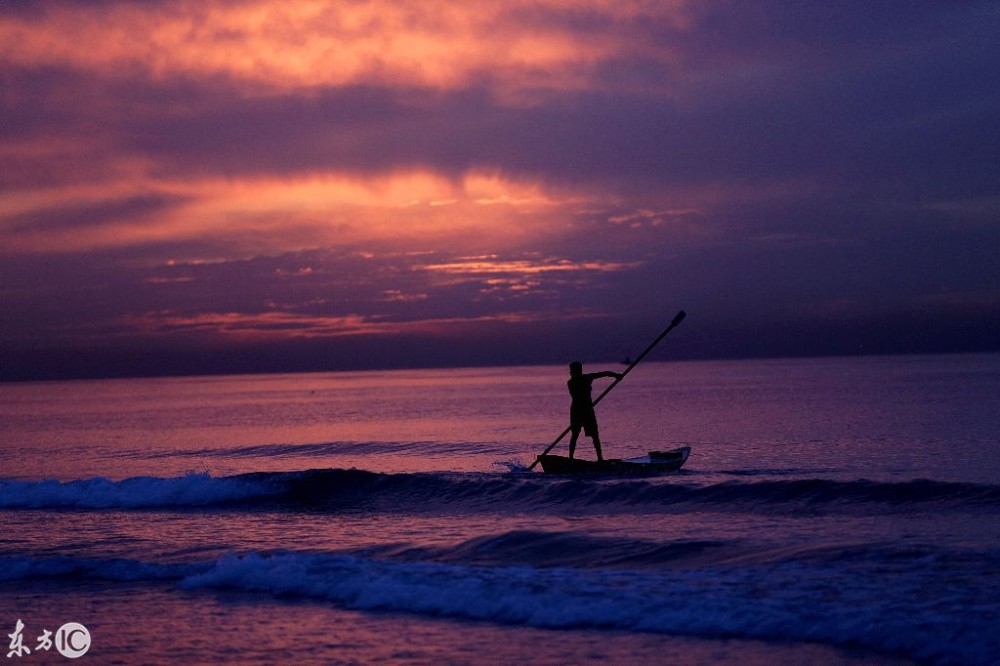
[581, 411]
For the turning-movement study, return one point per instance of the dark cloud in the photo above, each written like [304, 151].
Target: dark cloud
[79, 217]
[782, 289]
[872, 96]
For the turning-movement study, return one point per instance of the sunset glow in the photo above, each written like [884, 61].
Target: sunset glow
[171, 168]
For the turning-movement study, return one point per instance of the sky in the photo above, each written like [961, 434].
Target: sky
[211, 186]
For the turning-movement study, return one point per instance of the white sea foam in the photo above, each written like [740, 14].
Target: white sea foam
[927, 617]
[800, 602]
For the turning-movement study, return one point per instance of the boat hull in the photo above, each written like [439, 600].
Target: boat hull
[657, 462]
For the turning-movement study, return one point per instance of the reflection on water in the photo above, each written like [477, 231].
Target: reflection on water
[933, 417]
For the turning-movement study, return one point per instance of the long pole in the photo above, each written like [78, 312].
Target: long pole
[673, 324]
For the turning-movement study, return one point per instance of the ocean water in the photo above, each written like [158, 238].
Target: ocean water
[832, 511]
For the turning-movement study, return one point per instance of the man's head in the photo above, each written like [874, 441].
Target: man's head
[576, 368]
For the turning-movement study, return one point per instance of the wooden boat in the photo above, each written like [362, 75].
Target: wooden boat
[657, 462]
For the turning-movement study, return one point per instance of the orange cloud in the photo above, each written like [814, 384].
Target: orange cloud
[277, 45]
[266, 215]
[490, 265]
[248, 327]
[274, 325]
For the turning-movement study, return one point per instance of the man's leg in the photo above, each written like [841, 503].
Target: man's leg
[572, 441]
[597, 445]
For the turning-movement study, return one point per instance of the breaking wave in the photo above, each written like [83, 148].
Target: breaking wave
[351, 489]
[804, 600]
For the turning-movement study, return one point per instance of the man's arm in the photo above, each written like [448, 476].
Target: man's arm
[606, 373]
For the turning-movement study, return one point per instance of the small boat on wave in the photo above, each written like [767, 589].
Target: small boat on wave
[656, 462]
